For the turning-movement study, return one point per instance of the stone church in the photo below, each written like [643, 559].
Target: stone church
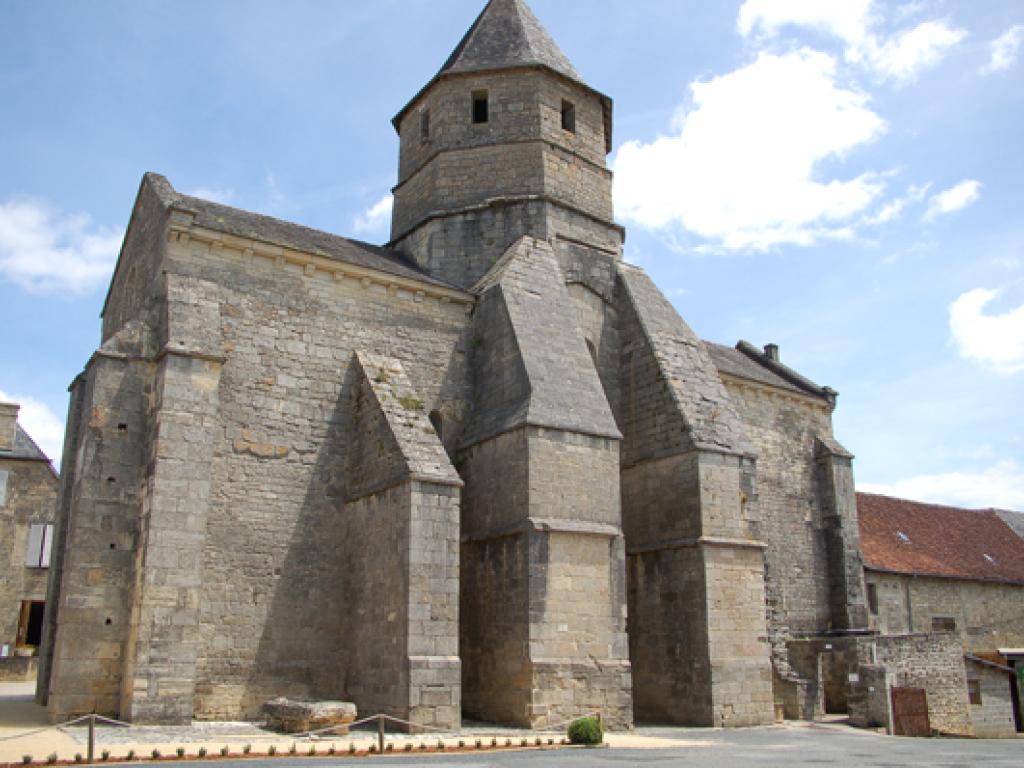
[482, 471]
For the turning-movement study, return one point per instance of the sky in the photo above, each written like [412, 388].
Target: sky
[839, 177]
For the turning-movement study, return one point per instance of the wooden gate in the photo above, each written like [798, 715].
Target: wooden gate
[910, 712]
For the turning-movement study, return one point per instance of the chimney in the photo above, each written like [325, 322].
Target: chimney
[8, 425]
[771, 351]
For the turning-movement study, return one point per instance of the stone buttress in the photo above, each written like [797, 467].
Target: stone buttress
[696, 574]
[543, 592]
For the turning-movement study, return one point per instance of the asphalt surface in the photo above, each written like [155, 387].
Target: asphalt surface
[790, 747]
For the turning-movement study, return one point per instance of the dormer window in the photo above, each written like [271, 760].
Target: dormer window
[425, 125]
[480, 107]
[568, 116]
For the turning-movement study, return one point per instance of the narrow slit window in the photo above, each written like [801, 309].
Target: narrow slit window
[974, 692]
[481, 111]
[873, 599]
[568, 116]
[425, 125]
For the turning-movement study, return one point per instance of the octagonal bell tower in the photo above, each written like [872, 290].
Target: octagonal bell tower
[506, 140]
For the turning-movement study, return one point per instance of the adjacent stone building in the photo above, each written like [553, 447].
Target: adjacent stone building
[485, 469]
[28, 496]
[939, 575]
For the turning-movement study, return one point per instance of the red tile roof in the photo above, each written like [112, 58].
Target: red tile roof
[932, 540]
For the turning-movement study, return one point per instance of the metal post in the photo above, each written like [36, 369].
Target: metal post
[92, 739]
[380, 732]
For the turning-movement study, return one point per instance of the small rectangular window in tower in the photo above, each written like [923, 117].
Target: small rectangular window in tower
[480, 107]
[873, 599]
[425, 125]
[568, 116]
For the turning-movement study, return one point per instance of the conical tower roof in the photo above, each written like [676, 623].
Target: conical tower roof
[507, 34]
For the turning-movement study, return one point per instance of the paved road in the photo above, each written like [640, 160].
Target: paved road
[787, 747]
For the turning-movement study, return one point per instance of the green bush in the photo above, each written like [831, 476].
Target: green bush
[586, 730]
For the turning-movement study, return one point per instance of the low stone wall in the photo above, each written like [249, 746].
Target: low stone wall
[18, 669]
[993, 717]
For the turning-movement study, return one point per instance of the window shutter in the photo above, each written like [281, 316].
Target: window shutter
[3, 487]
[44, 557]
[34, 551]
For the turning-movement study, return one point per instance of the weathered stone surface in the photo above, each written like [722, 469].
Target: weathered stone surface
[431, 478]
[292, 716]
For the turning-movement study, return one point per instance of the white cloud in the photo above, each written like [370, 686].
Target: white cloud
[1001, 485]
[954, 199]
[46, 251]
[848, 20]
[742, 170]
[222, 196]
[908, 53]
[997, 341]
[1004, 49]
[900, 56]
[41, 423]
[376, 219]
[894, 209]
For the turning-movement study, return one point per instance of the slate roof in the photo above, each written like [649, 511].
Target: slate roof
[746, 361]
[507, 34]
[912, 537]
[25, 448]
[255, 226]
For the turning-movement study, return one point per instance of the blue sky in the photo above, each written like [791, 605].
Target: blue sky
[840, 177]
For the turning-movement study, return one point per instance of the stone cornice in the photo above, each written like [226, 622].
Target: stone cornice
[808, 400]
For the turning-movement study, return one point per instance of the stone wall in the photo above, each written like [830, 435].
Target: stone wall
[993, 717]
[935, 663]
[698, 641]
[467, 191]
[29, 496]
[988, 615]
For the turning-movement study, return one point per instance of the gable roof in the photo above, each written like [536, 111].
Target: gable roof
[745, 361]
[286, 234]
[507, 34]
[25, 448]
[911, 537]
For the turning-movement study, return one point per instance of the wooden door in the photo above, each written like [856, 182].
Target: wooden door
[910, 712]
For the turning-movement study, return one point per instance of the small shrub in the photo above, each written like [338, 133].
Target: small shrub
[26, 759]
[423, 745]
[508, 742]
[408, 746]
[440, 745]
[271, 750]
[224, 751]
[312, 750]
[586, 730]
[78, 757]
[494, 741]
[247, 749]
[331, 750]
[51, 758]
[564, 741]
[180, 752]
[523, 742]
[373, 749]
[551, 742]
[461, 743]
[130, 755]
[202, 752]
[155, 754]
[105, 755]
[389, 748]
[293, 749]
[351, 749]
[479, 743]
[538, 742]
